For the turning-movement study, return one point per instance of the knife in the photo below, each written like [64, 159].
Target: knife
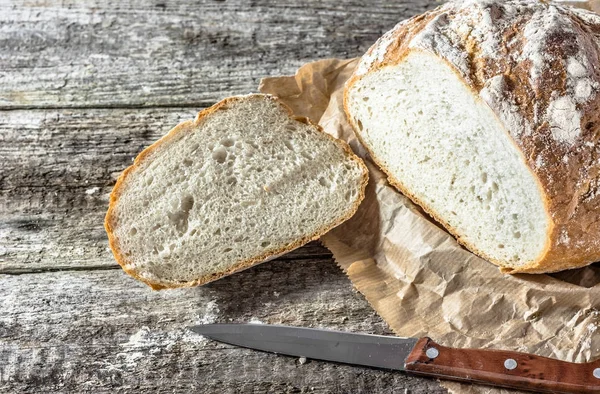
[416, 356]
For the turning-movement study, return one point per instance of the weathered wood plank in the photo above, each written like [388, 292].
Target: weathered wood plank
[101, 331]
[108, 53]
[57, 169]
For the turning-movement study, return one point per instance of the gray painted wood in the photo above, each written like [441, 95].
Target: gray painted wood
[84, 86]
[111, 53]
[101, 331]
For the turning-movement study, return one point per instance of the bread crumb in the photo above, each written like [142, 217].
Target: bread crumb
[302, 360]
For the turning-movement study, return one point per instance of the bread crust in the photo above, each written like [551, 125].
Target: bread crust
[110, 221]
[567, 172]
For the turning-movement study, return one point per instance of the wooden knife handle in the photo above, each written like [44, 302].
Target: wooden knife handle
[503, 368]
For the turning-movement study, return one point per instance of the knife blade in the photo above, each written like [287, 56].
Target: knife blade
[417, 356]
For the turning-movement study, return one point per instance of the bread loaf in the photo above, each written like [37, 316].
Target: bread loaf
[485, 113]
[244, 182]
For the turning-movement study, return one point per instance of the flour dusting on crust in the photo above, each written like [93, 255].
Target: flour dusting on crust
[471, 34]
[378, 51]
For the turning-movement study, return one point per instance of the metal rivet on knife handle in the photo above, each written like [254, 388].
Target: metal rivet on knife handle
[432, 352]
[597, 373]
[510, 364]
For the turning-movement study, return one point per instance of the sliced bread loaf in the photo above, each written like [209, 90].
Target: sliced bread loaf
[244, 182]
[485, 112]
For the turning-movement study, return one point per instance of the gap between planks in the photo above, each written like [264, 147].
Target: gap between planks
[198, 104]
[43, 270]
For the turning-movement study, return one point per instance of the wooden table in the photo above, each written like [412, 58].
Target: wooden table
[84, 86]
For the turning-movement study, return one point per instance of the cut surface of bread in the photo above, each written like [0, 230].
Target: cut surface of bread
[245, 182]
[447, 149]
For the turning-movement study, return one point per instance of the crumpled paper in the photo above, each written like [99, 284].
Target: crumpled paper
[420, 280]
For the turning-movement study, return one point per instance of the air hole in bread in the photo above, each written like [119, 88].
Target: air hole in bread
[187, 162]
[264, 244]
[228, 142]
[324, 182]
[179, 218]
[133, 231]
[219, 155]
[488, 195]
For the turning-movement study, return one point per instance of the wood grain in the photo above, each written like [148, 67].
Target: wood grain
[101, 331]
[108, 53]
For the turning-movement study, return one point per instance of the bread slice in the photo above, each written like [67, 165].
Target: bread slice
[244, 182]
[485, 113]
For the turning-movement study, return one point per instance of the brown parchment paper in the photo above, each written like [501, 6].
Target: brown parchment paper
[420, 280]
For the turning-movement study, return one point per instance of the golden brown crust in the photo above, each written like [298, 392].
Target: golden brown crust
[565, 165]
[188, 126]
